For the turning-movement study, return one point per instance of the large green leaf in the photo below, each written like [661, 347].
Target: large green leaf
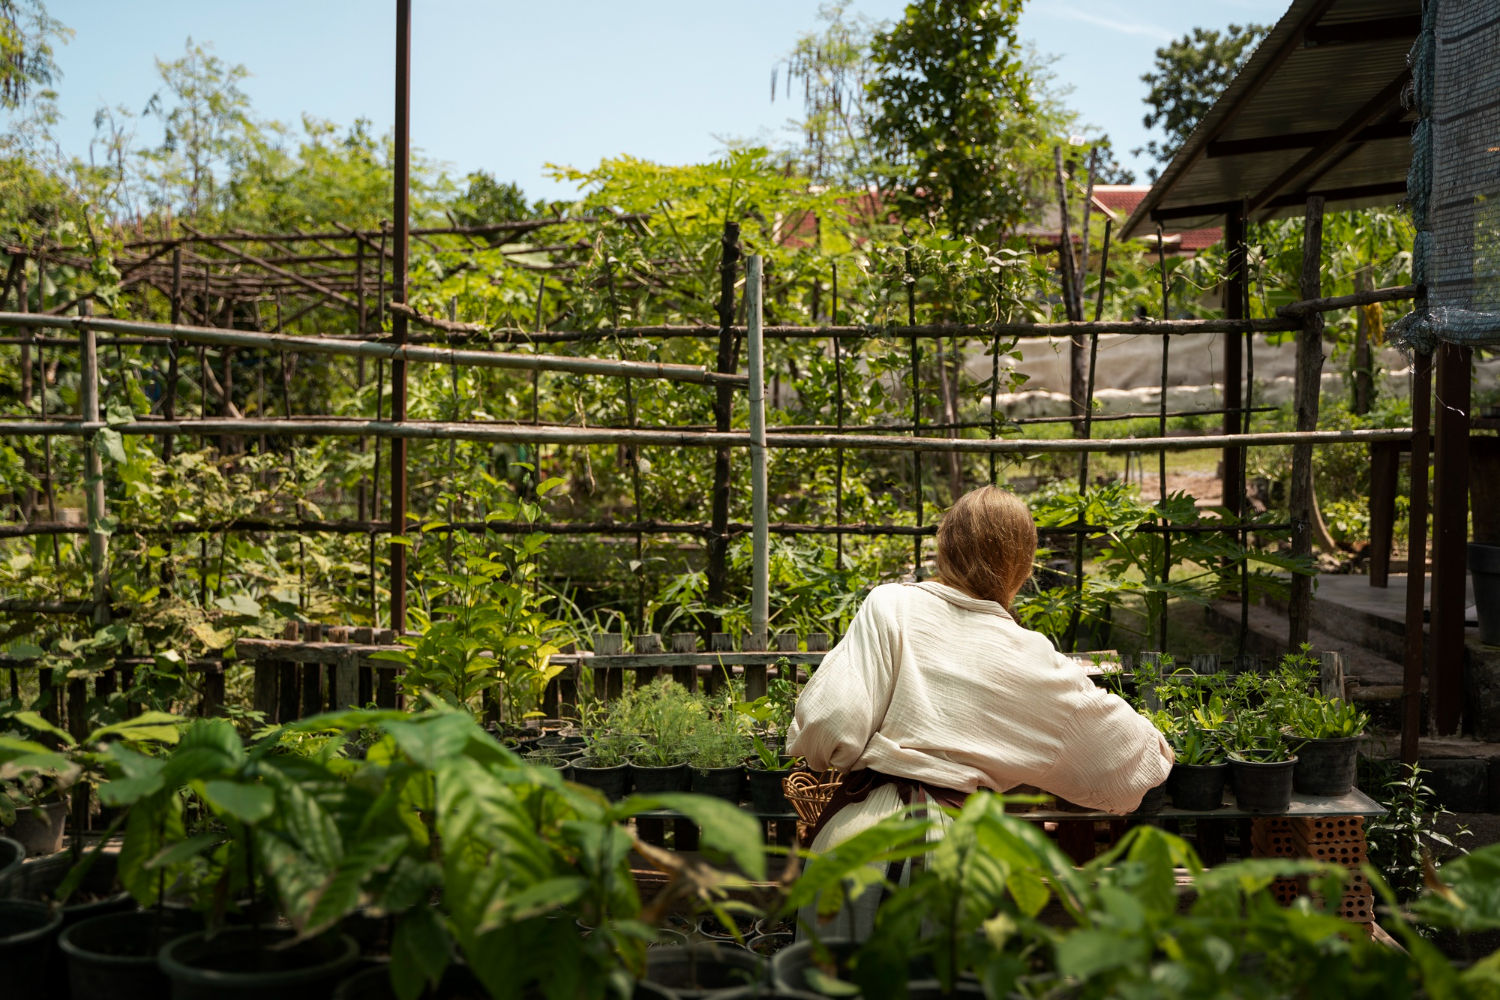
[725, 827]
[432, 739]
[420, 952]
[246, 801]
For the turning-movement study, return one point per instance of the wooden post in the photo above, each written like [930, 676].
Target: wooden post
[263, 693]
[1308, 383]
[609, 682]
[755, 674]
[1416, 560]
[288, 681]
[817, 642]
[363, 637]
[646, 644]
[718, 542]
[313, 697]
[1331, 675]
[213, 688]
[1450, 535]
[1385, 467]
[1204, 664]
[398, 318]
[93, 486]
[1236, 285]
[345, 687]
[387, 690]
[685, 642]
[718, 675]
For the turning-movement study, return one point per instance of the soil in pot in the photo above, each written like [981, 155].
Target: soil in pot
[113, 957]
[1263, 787]
[727, 783]
[672, 778]
[766, 794]
[700, 969]
[27, 932]
[767, 945]
[1153, 801]
[1198, 786]
[1327, 767]
[239, 964]
[713, 929]
[40, 828]
[614, 782]
[776, 925]
[1484, 569]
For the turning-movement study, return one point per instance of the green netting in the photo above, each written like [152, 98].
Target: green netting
[1454, 183]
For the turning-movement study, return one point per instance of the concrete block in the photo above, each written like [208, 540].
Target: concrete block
[1482, 681]
[1461, 783]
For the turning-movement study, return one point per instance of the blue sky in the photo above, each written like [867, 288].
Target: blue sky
[509, 87]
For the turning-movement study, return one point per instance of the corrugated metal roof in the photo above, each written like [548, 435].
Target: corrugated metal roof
[1316, 110]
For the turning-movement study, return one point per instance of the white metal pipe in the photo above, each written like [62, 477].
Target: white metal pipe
[760, 535]
[93, 487]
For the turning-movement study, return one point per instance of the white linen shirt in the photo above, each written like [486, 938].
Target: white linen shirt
[934, 685]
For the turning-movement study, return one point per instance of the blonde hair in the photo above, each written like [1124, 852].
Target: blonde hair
[986, 544]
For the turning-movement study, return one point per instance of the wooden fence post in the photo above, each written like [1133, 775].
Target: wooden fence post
[687, 676]
[287, 681]
[718, 674]
[313, 698]
[755, 673]
[1331, 675]
[387, 692]
[609, 682]
[1309, 379]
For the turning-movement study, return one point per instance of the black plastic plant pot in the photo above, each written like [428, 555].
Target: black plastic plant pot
[27, 931]
[12, 853]
[374, 983]
[701, 969]
[1484, 570]
[563, 765]
[554, 742]
[672, 778]
[1327, 767]
[1263, 787]
[666, 937]
[650, 991]
[766, 945]
[1198, 786]
[766, 991]
[40, 828]
[256, 963]
[766, 792]
[932, 989]
[1153, 801]
[727, 783]
[614, 782]
[113, 957]
[789, 966]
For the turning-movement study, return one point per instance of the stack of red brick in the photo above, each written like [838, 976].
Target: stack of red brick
[1336, 840]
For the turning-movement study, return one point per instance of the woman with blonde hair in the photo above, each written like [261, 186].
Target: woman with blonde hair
[936, 691]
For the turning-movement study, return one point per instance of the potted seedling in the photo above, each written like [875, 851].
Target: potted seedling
[1328, 732]
[1260, 763]
[766, 770]
[717, 761]
[603, 766]
[1200, 770]
[660, 765]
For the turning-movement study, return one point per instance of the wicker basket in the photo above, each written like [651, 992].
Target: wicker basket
[809, 793]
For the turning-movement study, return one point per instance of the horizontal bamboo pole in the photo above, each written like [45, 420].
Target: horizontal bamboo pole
[699, 528]
[1334, 302]
[524, 434]
[382, 351]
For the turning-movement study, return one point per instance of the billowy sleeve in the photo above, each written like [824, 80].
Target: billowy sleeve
[844, 703]
[1109, 755]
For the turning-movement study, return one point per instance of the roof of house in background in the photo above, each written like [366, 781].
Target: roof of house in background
[1316, 110]
[1119, 200]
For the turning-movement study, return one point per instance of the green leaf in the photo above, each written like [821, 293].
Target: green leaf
[239, 604]
[434, 738]
[35, 721]
[183, 850]
[829, 986]
[420, 952]
[725, 827]
[110, 444]
[248, 803]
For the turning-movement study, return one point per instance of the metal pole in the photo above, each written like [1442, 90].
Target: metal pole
[1161, 432]
[916, 414]
[398, 317]
[838, 418]
[760, 562]
[93, 470]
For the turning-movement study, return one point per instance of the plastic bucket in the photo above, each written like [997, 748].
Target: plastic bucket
[237, 964]
[1198, 787]
[1327, 767]
[672, 778]
[727, 783]
[614, 782]
[1263, 787]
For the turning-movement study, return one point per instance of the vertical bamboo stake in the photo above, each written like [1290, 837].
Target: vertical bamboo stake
[838, 419]
[359, 322]
[93, 468]
[1088, 432]
[169, 398]
[760, 573]
[1308, 384]
[1161, 431]
[41, 357]
[727, 361]
[916, 415]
